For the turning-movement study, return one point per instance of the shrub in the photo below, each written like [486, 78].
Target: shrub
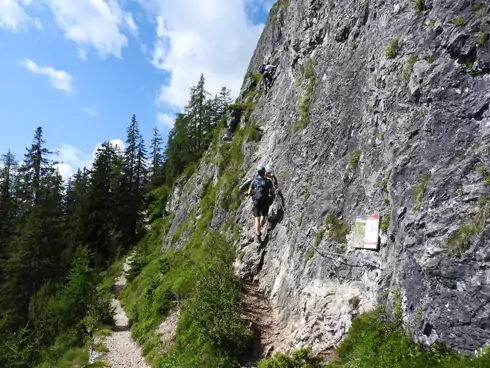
[408, 69]
[336, 229]
[458, 21]
[392, 49]
[300, 358]
[419, 6]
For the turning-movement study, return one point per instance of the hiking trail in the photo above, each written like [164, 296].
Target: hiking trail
[259, 315]
[123, 352]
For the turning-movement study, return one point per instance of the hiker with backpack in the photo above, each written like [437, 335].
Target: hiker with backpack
[262, 190]
[266, 71]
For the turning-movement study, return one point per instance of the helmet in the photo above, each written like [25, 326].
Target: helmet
[261, 169]
[268, 170]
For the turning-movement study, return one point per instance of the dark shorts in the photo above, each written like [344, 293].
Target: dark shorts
[260, 211]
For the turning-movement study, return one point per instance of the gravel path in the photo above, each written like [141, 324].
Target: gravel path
[123, 351]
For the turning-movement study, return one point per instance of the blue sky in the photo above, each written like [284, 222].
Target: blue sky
[81, 68]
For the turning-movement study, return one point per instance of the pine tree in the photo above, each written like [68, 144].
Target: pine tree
[8, 208]
[133, 182]
[102, 205]
[37, 246]
[75, 214]
[157, 160]
[224, 101]
[199, 116]
[36, 166]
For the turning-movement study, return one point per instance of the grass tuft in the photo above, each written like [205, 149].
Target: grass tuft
[392, 49]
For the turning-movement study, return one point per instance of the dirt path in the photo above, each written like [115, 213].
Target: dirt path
[123, 351]
[260, 317]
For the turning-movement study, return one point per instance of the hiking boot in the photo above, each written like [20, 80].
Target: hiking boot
[257, 239]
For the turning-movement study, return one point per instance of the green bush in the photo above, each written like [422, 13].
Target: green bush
[392, 49]
[419, 6]
[301, 358]
[336, 229]
[377, 340]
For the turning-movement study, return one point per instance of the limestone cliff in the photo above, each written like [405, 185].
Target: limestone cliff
[379, 107]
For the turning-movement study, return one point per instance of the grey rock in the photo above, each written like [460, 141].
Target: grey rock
[438, 124]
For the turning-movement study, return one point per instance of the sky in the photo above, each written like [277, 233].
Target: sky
[81, 68]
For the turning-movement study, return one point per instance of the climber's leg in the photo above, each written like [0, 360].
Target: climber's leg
[257, 221]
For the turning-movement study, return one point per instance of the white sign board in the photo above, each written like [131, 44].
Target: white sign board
[366, 232]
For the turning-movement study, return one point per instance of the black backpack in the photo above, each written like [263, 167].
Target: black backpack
[261, 195]
[262, 69]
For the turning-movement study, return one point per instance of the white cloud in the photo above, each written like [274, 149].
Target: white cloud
[165, 120]
[213, 37]
[14, 17]
[59, 78]
[71, 158]
[91, 110]
[96, 23]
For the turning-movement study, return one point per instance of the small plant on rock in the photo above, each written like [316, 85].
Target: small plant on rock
[385, 223]
[419, 191]
[354, 158]
[432, 24]
[300, 358]
[481, 9]
[419, 6]
[409, 68]
[458, 21]
[460, 242]
[309, 254]
[392, 49]
[482, 38]
[354, 302]
[336, 229]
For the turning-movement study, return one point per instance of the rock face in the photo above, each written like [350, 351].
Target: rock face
[379, 107]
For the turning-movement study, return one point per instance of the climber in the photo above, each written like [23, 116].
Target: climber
[266, 70]
[262, 191]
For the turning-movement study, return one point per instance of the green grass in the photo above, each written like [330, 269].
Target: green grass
[354, 158]
[458, 21]
[210, 330]
[305, 100]
[309, 254]
[481, 9]
[419, 191]
[419, 314]
[431, 60]
[432, 24]
[301, 358]
[482, 39]
[336, 229]
[392, 49]
[460, 242]
[75, 358]
[409, 67]
[419, 6]
[311, 250]
[377, 339]
[385, 223]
